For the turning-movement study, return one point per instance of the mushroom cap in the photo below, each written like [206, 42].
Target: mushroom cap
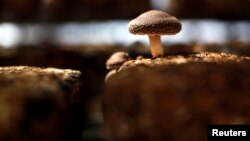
[116, 60]
[155, 22]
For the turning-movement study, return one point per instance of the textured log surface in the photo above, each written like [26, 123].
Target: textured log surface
[185, 58]
[35, 102]
[168, 99]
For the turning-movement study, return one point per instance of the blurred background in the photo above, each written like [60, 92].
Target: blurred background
[82, 34]
[98, 22]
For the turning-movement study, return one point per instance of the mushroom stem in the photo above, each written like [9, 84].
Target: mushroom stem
[155, 46]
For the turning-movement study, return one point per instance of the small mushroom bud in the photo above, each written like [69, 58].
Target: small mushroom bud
[116, 60]
[110, 74]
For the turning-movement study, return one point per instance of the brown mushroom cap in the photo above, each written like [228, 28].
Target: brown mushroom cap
[116, 60]
[155, 22]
